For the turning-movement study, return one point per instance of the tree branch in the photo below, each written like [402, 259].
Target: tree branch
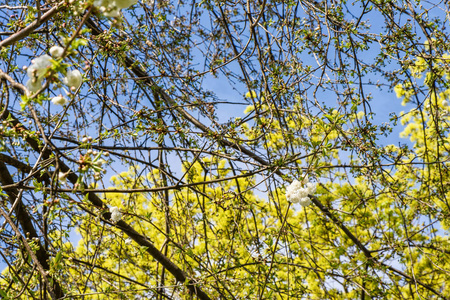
[41, 257]
[30, 28]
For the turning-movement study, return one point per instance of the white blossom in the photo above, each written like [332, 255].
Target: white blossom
[125, 3]
[56, 51]
[111, 8]
[73, 79]
[311, 187]
[39, 66]
[36, 71]
[293, 192]
[62, 177]
[109, 11]
[59, 100]
[305, 201]
[116, 215]
[296, 193]
[34, 84]
[445, 103]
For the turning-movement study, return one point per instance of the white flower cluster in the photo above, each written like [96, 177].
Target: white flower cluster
[111, 8]
[39, 68]
[36, 72]
[116, 215]
[296, 193]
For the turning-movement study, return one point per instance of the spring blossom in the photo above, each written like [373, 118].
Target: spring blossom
[111, 8]
[296, 193]
[62, 177]
[36, 71]
[116, 215]
[59, 100]
[73, 79]
[56, 51]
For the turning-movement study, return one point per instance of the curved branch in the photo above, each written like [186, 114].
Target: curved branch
[30, 28]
